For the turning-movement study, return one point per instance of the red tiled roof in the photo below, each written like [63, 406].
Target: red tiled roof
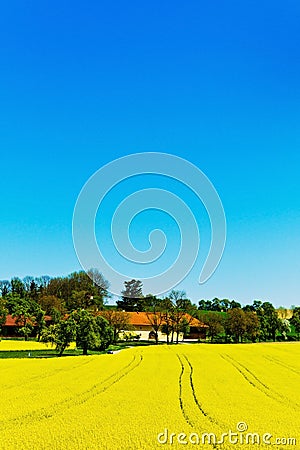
[11, 322]
[141, 318]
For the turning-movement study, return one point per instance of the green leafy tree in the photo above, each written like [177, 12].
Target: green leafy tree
[42, 282]
[295, 320]
[184, 327]
[234, 305]
[216, 305]
[87, 333]
[17, 287]
[236, 324]
[92, 332]
[252, 325]
[118, 320]
[89, 289]
[49, 303]
[155, 314]
[27, 282]
[180, 310]
[80, 299]
[55, 315]
[106, 333]
[28, 315]
[225, 304]
[61, 334]
[205, 305]
[215, 322]
[40, 322]
[166, 329]
[5, 288]
[3, 313]
[219, 305]
[58, 287]
[269, 321]
[79, 289]
[23, 313]
[167, 326]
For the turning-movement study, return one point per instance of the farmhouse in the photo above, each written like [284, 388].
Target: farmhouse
[141, 323]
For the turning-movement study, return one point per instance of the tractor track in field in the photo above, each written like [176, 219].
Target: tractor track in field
[279, 363]
[198, 404]
[256, 383]
[81, 398]
[249, 372]
[193, 391]
[186, 417]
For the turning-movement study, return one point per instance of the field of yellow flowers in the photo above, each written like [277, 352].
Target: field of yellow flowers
[226, 396]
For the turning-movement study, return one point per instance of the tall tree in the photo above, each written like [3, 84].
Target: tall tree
[132, 296]
[216, 305]
[24, 315]
[167, 309]
[182, 309]
[295, 320]
[89, 332]
[252, 325]
[79, 290]
[3, 313]
[215, 322]
[155, 313]
[225, 304]
[233, 304]
[39, 320]
[105, 331]
[205, 305]
[184, 327]
[235, 324]
[118, 320]
[61, 334]
[17, 287]
[269, 320]
[5, 287]
[99, 282]
[50, 302]
[42, 282]
[87, 335]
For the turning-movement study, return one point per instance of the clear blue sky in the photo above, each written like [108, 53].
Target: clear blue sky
[216, 83]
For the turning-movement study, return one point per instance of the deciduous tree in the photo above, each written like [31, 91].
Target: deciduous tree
[295, 320]
[3, 313]
[215, 322]
[118, 320]
[61, 334]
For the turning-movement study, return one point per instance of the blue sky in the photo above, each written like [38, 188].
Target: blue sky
[216, 83]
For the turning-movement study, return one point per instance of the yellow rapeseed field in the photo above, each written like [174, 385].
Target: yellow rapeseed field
[154, 397]
[26, 345]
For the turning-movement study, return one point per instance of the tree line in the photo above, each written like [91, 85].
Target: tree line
[69, 302]
[80, 298]
[74, 303]
[228, 321]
